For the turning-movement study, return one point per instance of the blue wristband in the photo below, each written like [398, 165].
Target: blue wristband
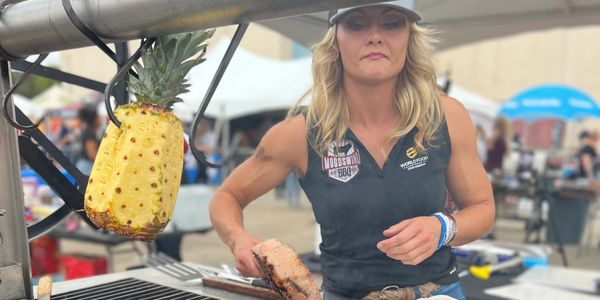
[442, 233]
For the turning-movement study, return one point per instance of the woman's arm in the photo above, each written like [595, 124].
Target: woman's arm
[587, 164]
[414, 240]
[467, 181]
[282, 150]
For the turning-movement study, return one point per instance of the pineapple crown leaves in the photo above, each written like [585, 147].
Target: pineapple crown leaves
[165, 65]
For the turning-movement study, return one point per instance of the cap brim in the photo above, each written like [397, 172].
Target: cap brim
[412, 15]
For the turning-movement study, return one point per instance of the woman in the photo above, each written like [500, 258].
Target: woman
[497, 146]
[481, 143]
[375, 151]
[586, 156]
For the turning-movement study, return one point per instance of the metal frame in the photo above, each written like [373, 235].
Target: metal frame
[24, 30]
[15, 276]
[22, 65]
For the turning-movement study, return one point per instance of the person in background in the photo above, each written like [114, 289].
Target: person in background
[586, 156]
[375, 151]
[88, 137]
[292, 191]
[206, 142]
[190, 165]
[497, 146]
[63, 135]
[65, 142]
[481, 144]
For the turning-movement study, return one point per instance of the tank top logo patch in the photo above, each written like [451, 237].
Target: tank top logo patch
[414, 162]
[411, 152]
[341, 162]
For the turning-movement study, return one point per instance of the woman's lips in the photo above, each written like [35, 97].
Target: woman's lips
[374, 56]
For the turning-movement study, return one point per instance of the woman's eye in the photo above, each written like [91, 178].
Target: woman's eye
[392, 22]
[392, 25]
[355, 25]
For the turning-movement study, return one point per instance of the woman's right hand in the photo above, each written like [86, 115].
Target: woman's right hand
[244, 260]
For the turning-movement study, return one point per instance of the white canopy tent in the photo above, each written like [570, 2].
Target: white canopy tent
[54, 98]
[474, 102]
[251, 83]
[482, 110]
[27, 106]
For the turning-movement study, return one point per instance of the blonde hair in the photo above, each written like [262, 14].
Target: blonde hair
[417, 96]
[504, 128]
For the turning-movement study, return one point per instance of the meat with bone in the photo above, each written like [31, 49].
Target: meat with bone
[281, 266]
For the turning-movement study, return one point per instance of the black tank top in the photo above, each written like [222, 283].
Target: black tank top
[354, 201]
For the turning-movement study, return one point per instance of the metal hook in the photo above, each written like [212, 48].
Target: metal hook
[11, 91]
[113, 82]
[90, 34]
[124, 67]
[235, 42]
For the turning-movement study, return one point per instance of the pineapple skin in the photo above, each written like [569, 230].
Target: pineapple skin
[135, 179]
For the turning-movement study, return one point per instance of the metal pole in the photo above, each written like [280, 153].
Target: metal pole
[121, 95]
[42, 26]
[15, 276]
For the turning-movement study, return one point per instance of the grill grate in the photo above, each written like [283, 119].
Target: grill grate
[130, 289]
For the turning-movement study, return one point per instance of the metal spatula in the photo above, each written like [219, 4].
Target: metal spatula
[186, 273]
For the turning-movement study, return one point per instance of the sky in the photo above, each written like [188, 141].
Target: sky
[53, 59]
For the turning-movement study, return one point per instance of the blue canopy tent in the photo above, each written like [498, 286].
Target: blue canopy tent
[550, 101]
[563, 104]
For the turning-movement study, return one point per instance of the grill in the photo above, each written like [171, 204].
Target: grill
[130, 289]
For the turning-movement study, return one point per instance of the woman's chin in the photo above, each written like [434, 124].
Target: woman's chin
[377, 77]
[372, 76]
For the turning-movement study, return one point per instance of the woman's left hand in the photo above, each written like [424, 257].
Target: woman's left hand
[412, 241]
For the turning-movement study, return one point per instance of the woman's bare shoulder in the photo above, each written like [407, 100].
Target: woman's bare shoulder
[455, 112]
[458, 120]
[452, 107]
[289, 130]
[287, 140]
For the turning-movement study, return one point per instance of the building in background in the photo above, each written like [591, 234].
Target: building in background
[500, 68]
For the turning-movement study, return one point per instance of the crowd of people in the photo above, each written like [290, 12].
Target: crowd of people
[494, 150]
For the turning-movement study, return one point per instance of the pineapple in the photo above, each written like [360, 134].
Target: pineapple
[135, 179]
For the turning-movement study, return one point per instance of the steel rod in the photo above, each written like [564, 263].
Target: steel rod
[42, 26]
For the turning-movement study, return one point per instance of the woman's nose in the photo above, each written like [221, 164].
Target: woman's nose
[374, 35]
[375, 41]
